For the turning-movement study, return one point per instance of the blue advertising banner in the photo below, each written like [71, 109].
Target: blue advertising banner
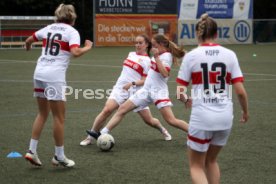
[216, 8]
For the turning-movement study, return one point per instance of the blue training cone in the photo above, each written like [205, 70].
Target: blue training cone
[14, 154]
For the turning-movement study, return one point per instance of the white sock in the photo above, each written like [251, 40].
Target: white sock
[104, 131]
[161, 128]
[59, 152]
[33, 145]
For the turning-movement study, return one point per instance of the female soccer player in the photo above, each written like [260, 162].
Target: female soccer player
[155, 89]
[133, 75]
[211, 68]
[60, 42]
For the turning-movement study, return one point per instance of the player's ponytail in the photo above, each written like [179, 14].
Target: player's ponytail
[206, 28]
[171, 47]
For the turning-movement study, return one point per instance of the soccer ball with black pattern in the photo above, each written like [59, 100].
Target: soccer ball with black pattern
[105, 142]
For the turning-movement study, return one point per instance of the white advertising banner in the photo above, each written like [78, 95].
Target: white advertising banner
[230, 31]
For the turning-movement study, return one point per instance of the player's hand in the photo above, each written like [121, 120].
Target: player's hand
[28, 46]
[155, 52]
[88, 44]
[127, 86]
[244, 117]
[188, 103]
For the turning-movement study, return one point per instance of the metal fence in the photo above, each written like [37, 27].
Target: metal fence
[15, 29]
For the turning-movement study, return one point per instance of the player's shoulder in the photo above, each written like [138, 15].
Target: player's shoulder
[193, 53]
[166, 56]
[227, 50]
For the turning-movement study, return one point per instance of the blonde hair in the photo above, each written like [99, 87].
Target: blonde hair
[176, 51]
[66, 14]
[206, 28]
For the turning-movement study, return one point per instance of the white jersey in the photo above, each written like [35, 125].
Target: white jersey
[134, 68]
[211, 69]
[155, 80]
[58, 39]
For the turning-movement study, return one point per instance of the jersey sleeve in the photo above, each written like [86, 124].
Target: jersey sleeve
[184, 74]
[39, 35]
[167, 61]
[236, 74]
[74, 39]
[147, 64]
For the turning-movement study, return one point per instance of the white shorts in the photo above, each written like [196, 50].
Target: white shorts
[199, 140]
[144, 97]
[120, 96]
[50, 90]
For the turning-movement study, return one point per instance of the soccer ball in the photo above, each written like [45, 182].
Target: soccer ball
[105, 142]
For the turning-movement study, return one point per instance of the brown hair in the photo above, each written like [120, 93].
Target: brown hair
[206, 28]
[147, 40]
[66, 14]
[176, 51]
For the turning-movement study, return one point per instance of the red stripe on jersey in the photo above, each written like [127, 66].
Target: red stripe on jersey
[197, 140]
[39, 90]
[74, 45]
[155, 68]
[238, 79]
[197, 78]
[182, 82]
[135, 66]
[44, 41]
[34, 37]
[163, 100]
[63, 45]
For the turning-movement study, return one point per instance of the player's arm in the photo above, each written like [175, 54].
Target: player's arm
[181, 95]
[28, 42]
[78, 51]
[135, 83]
[164, 72]
[159, 64]
[243, 100]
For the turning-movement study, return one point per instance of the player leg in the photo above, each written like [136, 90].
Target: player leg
[110, 106]
[154, 122]
[58, 111]
[119, 115]
[169, 117]
[43, 112]
[219, 140]
[211, 164]
[197, 166]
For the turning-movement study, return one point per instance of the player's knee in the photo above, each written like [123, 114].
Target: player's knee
[171, 121]
[123, 110]
[107, 111]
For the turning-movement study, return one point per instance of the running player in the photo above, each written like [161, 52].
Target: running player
[211, 69]
[155, 89]
[60, 42]
[133, 75]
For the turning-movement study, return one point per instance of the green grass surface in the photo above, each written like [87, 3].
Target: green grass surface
[140, 155]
